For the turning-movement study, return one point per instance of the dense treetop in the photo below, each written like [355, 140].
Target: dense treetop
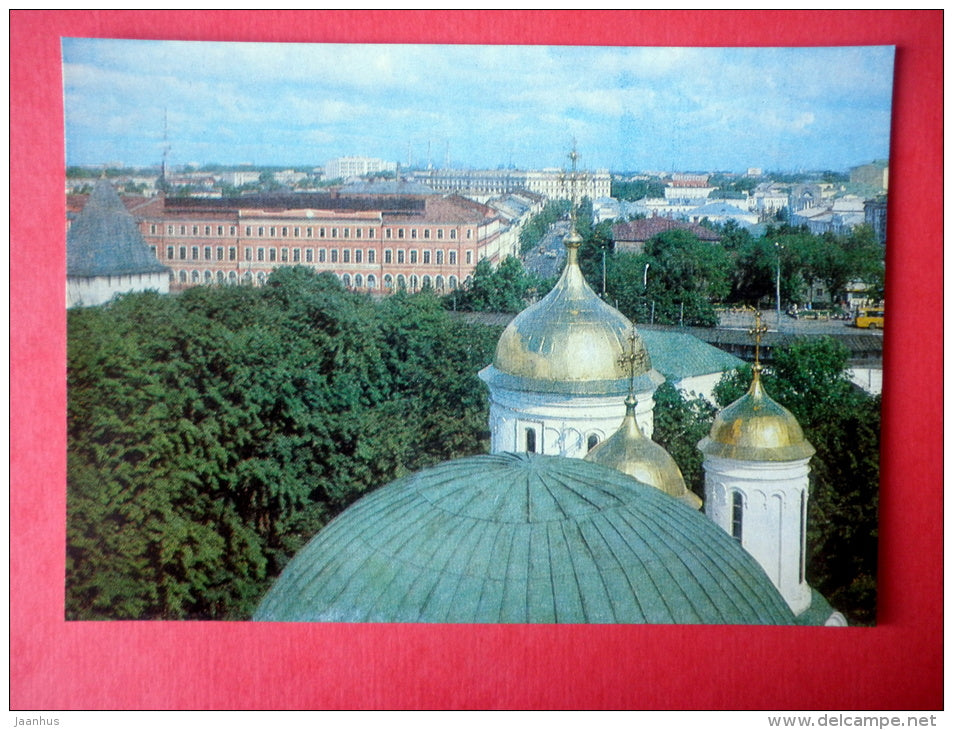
[212, 433]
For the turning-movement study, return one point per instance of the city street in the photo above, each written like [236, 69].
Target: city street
[546, 259]
[789, 325]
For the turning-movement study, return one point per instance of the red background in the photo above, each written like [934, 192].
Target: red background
[156, 665]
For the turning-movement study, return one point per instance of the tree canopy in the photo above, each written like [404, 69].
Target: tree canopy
[211, 433]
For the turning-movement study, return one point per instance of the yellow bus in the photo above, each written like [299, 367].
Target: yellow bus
[869, 318]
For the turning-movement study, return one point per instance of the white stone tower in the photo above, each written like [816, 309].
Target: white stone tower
[756, 484]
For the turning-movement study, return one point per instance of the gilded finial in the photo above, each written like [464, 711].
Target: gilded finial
[630, 360]
[759, 329]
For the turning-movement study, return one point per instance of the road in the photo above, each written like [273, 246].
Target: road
[789, 325]
[546, 259]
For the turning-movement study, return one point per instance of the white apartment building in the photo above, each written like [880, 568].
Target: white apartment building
[344, 168]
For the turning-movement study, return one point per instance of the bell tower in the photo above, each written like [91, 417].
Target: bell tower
[756, 483]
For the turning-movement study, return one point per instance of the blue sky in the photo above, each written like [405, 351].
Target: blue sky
[478, 106]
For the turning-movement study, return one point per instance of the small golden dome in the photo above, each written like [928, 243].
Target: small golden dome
[570, 334]
[629, 451]
[756, 428]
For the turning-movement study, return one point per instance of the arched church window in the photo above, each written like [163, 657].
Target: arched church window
[530, 440]
[371, 281]
[737, 515]
[591, 442]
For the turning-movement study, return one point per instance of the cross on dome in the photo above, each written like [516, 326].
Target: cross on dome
[759, 329]
[635, 359]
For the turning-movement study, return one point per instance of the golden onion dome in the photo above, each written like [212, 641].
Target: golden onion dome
[756, 428]
[628, 450]
[570, 334]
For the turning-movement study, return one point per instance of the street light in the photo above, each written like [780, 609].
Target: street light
[778, 247]
[645, 277]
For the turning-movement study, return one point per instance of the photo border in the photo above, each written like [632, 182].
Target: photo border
[897, 665]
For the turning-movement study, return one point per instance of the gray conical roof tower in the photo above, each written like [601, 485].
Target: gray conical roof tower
[104, 239]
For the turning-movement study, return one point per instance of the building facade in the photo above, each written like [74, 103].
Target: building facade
[554, 184]
[377, 246]
[343, 168]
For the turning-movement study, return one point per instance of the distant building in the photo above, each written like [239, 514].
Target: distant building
[237, 178]
[768, 199]
[345, 168]
[631, 236]
[371, 243]
[838, 215]
[875, 174]
[875, 216]
[722, 212]
[687, 187]
[106, 254]
[554, 184]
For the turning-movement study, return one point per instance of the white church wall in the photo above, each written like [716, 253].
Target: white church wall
[562, 424]
[773, 517]
[95, 290]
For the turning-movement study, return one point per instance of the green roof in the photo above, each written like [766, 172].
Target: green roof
[678, 355]
[509, 538]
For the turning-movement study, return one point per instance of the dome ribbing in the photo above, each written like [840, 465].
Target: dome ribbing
[522, 539]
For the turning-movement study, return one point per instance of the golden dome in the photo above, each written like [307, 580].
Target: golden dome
[629, 451]
[570, 334]
[756, 428]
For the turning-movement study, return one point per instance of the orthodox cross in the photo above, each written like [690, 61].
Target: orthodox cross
[632, 359]
[759, 329]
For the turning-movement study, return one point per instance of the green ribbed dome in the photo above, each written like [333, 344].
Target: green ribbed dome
[525, 538]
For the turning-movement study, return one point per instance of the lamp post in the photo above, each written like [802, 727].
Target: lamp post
[778, 247]
[603, 272]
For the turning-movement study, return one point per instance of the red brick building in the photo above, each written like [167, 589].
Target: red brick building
[372, 244]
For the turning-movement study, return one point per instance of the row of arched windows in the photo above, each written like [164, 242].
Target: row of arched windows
[357, 281]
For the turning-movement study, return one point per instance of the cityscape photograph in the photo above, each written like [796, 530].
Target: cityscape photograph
[474, 334]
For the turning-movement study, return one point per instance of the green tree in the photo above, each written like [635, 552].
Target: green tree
[685, 276]
[680, 423]
[504, 288]
[539, 224]
[212, 433]
[637, 189]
